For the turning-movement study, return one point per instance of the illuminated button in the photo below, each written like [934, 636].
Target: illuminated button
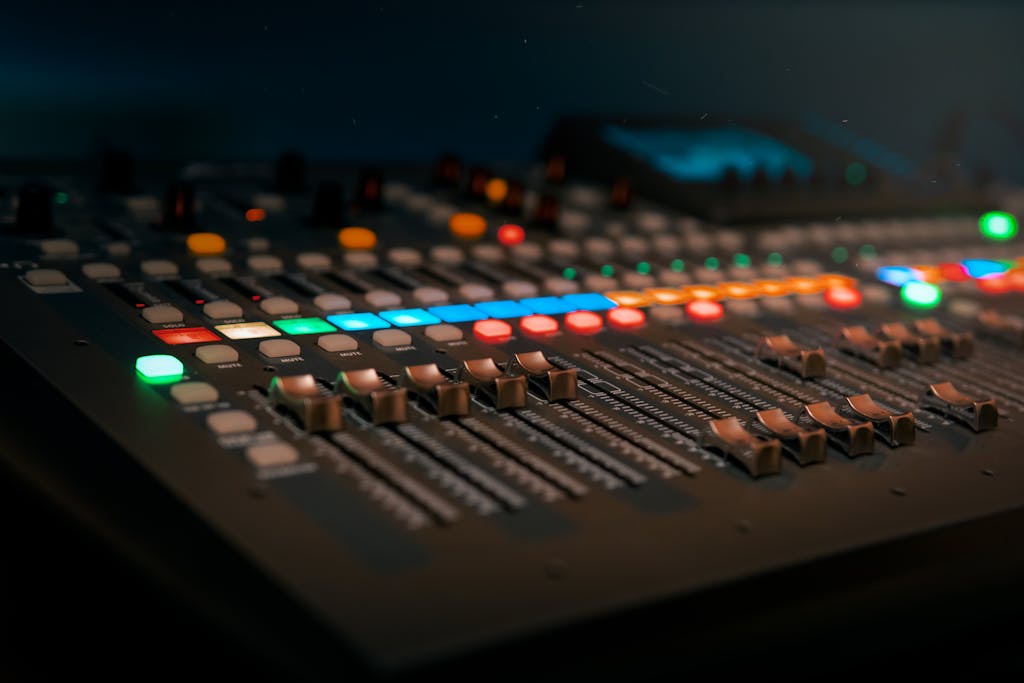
[380, 298]
[188, 393]
[332, 302]
[159, 267]
[304, 326]
[703, 292]
[206, 244]
[406, 257]
[492, 331]
[357, 321]
[503, 309]
[447, 255]
[279, 305]
[511, 234]
[457, 313]
[559, 285]
[225, 422]
[475, 292]
[391, 338]
[518, 289]
[212, 354]
[265, 263]
[279, 348]
[357, 238]
[627, 298]
[45, 277]
[666, 296]
[336, 343]
[843, 297]
[547, 305]
[410, 316]
[588, 302]
[703, 310]
[162, 313]
[430, 295]
[59, 246]
[159, 367]
[313, 260]
[443, 333]
[495, 190]
[583, 322]
[222, 309]
[626, 318]
[185, 335]
[274, 454]
[213, 265]
[247, 330]
[255, 215]
[539, 325]
[100, 271]
[467, 226]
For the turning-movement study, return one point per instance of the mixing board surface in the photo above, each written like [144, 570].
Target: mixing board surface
[445, 408]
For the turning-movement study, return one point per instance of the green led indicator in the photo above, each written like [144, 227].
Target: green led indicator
[677, 265]
[160, 368]
[741, 260]
[569, 273]
[304, 326]
[711, 263]
[998, 225]
[61, 197]
[920, 294]
[840, 254]
[607, 270]
[774, 259]
[868, 251]
[856, 173]
[644, 268]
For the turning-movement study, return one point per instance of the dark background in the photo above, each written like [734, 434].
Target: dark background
[402, 81]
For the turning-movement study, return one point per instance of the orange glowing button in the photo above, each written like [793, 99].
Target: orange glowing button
[492, 331]
[206, 244]
[771, 287]
[703, 292]
[467, 226]
[704, 311]
[495, 190]
[356, 237]
[954, 272]
[539, 325]
[994, 285]
[628, 298]
[584, 322]
[837, 280]
[511, 234]
[842, 297]
[804, 285]
[626, 318]
[255, 215]
[667, 296]
[738, 290]
[929, 273]
[1016, 278]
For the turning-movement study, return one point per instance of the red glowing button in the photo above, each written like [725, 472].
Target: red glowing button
[954, 272]
[842, 297]
[626, 318]
[186, 335]
[994, 285]
[540, 325]
[255, 215]
[704, 311]
[492, 331]
[511, 234]
[584, 322]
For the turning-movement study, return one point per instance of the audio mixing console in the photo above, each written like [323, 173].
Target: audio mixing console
[444, 408]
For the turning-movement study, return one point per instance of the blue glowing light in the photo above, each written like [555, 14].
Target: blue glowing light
[409, 316]
[981, 268]
[896, 275]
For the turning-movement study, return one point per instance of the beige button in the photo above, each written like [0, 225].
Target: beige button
[231, 422]
[213, 264]
[222, 309]
[443, 332]
[162, 313]
[430, 296]
[45, 277]
[391, 338]
[188, 393]
[313, 260]
[332, 302]
[212, 354]
[159, 267]
[98, 270]
[265, 263]
[279, 305]
[382, 298]
[59, 246]
[337, 342]
[273, 454]
[476, 292]
[279, 348]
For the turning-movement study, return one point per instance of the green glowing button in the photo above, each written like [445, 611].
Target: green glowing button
[856, 173]
[711, 263]
[159, 368]
[920, 294]
[607, 270]
[569, 273]
[644, 268]
[774, 259]
[741, 260]
[677, 265]
[840, 254]
[868, 251]
[998, 225]
[304, 326]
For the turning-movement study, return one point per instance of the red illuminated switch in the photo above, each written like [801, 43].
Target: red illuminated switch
[584, 322]
[492, 331]
[186, 335]
[626, 318]
[539, 325]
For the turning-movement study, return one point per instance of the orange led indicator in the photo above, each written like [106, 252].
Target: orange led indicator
[357, 237]
[492, 331]
[511, 234]
[255, 215]
[539, 325]
[994, 285]
[704, 311]
[584, 322]
[626, 318]
[467, 226]
[206, 244]
[496, 189]
[771, 287]
[667, 295]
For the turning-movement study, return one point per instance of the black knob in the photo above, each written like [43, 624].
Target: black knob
[35, 209]
[368, 191]
[328, 205]
[117, 172]
[179, 207]
[290, 173]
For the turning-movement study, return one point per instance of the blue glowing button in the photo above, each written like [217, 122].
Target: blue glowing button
[547, 305]
[504, 309]
[981, 268]
[896, 275]
[588, 302]
[358, 321]
[409, 316]
[456, 313]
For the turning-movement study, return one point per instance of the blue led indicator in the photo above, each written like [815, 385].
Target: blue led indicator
[457, 313]
[357, 321]
[896, 275]
[588, 302]
[409, 316]
[979, 268]
[504, 309]
[547, 305]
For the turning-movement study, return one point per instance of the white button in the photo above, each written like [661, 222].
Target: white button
[162, 313]
[814, 302]
[360, 259]
[600, 283]
[45, 277]
[559, 285]
[98, 270]
[519, 289]
[382, 298]
[729, 240]
[337, 342]
[273, 454]
[187, 393]
[633, 246]
[573, 222]
[405, 256]
[279, 348]
[265, 263]
[665, 245]
[279, 305]
[430, 296]
[747, 309]
[213, 264]
[59, 247]
[222, 309]
[963, 308]
[707, 275]
[651, 221]
[672, 278]
[564, 249]
[391, 338]
[599, 248]
[531, 252]
[447, 255]
[213, 354]
[257, 244]
[269, 201]
[489, 253]
[159, 267]
[637, 280]
[777, 304]
[231, 422]
[332, 302]
[119, 248]
[669, 315]
[877, 294]
[313, 260]
[443, 332]
[475, 292]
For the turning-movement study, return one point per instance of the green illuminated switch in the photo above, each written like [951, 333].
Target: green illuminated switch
[304, 326]
[160, 368]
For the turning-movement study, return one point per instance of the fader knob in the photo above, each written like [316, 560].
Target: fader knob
[35, 209]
